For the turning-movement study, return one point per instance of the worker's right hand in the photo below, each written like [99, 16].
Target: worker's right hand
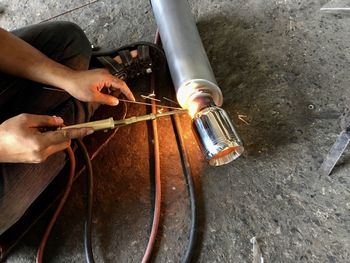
[22, 142]
[88, 85]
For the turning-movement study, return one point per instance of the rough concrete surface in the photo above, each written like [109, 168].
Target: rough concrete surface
[282, 64]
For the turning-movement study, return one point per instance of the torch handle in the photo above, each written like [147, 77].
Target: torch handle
[104, 124]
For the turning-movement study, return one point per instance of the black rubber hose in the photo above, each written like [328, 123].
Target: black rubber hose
[112, 52]
[187, 256]
[89, 200]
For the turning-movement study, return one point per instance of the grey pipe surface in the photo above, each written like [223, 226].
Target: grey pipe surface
[188, 62]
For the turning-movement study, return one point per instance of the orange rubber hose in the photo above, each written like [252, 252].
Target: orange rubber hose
[157, 201]
[39, 257]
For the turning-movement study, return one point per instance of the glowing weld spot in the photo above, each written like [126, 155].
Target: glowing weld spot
[193, 108]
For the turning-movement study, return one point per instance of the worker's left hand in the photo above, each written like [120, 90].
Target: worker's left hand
[87, 86]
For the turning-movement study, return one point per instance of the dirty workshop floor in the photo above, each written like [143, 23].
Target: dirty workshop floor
[284, 66]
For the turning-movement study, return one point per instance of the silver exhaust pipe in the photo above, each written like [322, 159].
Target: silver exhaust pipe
[194, 81]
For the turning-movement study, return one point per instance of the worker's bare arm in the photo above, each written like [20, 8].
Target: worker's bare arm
[20, 59]
[22, 142]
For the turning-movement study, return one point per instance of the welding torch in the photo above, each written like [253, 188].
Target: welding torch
[110, 123]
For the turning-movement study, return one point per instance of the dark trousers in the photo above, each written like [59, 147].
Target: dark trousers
[21, 184]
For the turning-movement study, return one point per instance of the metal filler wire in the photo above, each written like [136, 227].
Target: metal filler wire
[127, 101]
[334, 9]
[150, 104]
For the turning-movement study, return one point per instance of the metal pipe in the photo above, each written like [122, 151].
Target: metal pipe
[335, 9]
[189, 65]
[194, 81]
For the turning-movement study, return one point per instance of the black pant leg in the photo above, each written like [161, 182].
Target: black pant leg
[63, 42]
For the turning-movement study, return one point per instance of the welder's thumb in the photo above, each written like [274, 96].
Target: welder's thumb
[62, 136]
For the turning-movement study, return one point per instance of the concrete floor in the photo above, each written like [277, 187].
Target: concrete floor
[284, 65]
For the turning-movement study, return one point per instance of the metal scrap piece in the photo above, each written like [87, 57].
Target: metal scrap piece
[257, 253]
[335, 152]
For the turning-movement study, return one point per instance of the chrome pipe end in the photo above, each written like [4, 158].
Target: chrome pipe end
[217, 136]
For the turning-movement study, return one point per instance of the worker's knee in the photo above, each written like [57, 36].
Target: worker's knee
[70, 32]
[65, 28]
[72, 41]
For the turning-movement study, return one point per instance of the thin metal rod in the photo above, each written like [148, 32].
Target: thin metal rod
[54, 89]
[335, 9]
[69, 11]
[172, 101]
[150, 98]
[129, 101]
[150, 104]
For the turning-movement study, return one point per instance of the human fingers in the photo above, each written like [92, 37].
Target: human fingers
[35, 121]
[62, 136]
[121, 85]
[106, 99]
[56, 148]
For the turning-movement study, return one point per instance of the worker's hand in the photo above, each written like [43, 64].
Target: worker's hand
[22, 142]
[87, 86]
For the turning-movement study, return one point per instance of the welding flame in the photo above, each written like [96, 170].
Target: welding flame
[193, 109]
[184, 95]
